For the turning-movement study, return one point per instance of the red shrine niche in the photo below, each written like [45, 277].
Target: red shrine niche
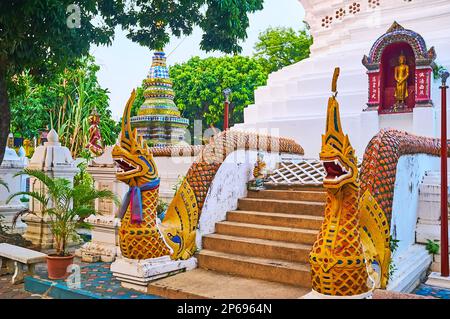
[388, 95]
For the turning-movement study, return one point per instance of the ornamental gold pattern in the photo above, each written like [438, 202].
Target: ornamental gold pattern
[337, 257]
[378, 172]
[141, 237]
[374, 198]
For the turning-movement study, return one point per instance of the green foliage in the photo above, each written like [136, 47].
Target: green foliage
[199, 83]
[178, 183]
[161, 209]
[69, 205]
[34, 32]
[392, 269]
[139, 100]
[280, 47]
[4, 184]
[35, 36]
[432, 246]
[65, 103]
[393, 245]
[225, 22]
[83, 177]
[437, 69]
[29, 104]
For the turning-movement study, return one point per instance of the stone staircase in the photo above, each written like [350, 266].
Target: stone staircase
[266, 241]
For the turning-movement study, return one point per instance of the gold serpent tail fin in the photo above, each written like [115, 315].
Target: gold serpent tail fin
[180, 222]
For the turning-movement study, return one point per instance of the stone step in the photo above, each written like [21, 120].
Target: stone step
[307, 196]
[257, 247]
[436, 264]
[275, 270]
[275, 219]
[203, 284]
[281, 206]
[287, 234]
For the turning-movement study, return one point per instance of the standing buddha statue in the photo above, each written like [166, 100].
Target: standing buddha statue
[401, 77]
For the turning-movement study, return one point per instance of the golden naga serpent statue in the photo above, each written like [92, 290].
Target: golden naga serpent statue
[337, 259]
[140, 234]
[354, 241]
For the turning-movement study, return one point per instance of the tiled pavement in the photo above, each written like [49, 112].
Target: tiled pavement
[98, 280]
[426, 290]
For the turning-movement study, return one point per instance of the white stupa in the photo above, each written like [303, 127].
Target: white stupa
[11, 165]
[55, 161]
[293, 103]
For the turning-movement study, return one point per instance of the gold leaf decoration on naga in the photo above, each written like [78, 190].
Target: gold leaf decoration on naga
[139, 234]
[141, 237]
[337, 258]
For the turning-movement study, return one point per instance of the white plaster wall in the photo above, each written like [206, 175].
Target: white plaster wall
[169, 170]
[294, 101]
[410, 172]
[10, 166]
[14, 185]
[229, 184]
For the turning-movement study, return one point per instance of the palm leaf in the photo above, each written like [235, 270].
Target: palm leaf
[20, 214]
[41, 176]
[4, 184]
[36, 195]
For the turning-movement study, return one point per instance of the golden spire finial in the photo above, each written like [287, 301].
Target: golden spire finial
[337, 70]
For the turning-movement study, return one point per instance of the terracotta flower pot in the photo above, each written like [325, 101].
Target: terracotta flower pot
[57, 266]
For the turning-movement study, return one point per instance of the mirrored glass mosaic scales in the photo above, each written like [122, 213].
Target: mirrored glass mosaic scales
[158, 120]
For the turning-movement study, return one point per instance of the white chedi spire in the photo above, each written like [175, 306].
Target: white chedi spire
[52, 156]
[52, 138]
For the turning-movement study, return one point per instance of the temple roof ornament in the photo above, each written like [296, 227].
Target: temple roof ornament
[397, 33]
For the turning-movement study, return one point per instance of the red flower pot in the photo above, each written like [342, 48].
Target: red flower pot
[57, 266]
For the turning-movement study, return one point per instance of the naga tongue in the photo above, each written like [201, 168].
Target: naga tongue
[333, 169]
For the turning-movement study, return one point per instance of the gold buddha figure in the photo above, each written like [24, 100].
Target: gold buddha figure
[401, 77]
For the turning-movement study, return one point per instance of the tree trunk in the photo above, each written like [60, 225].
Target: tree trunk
[5, 114]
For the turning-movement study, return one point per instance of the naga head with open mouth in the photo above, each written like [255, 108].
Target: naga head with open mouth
[133, 159]
[337, 155]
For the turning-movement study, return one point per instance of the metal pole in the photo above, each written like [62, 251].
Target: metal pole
[225, 116]
[444, 186]
[226, 94]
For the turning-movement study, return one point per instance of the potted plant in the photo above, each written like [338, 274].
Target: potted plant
[66, 205]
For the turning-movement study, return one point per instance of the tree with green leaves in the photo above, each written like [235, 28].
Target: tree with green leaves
[64, 103]
[280, 47]
[44, 36]
[199, 83]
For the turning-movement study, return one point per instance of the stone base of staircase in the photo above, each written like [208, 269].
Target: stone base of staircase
[412, 266]
[260, 251]
[435, 279]
[136, 274]
[436, 265]
[207, 284]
